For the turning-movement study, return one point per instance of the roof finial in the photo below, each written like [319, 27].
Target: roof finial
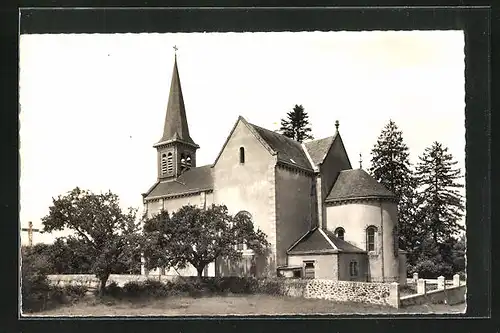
[360, 161]
[337, 125]
[175, 50]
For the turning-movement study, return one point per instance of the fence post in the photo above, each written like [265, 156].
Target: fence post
[421, 287]
[394, 295]
[456, 280]
[415, 277]
[441, 283]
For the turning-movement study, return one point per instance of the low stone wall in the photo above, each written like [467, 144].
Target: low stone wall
[91, 281]
[450, 296]
[347, 291]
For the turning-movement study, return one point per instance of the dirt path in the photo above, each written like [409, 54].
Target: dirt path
[234, 305]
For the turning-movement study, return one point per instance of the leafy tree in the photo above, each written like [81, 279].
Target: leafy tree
[390, 165]
[198, 236]
[106, 236]
[440, 205]
[296, 125]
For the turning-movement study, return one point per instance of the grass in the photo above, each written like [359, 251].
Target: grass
[231, 305]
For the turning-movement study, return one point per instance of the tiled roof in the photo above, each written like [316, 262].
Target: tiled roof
[342, 244]
[353, 184]
[193, 180]
[288, 150]
[317, 149]
[318, 241]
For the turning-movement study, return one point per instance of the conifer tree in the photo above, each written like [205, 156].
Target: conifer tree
[390, 165]
[441, 206]
[296, 125]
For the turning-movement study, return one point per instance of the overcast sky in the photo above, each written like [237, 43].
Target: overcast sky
[93, 105]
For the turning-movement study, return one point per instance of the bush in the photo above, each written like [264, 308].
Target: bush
[271, 287]
[35, 288]
[112, 290]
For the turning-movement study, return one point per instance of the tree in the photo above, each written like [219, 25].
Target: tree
[440, 205]
[390, 165]
[198, 236]
[106, 236]
[296, 125]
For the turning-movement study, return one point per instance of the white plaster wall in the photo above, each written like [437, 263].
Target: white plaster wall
[355, 217]
[325, 265]
[249, 186]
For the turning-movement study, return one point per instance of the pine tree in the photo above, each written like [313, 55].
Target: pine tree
[440, 204]
[390, 165]
[296, 125]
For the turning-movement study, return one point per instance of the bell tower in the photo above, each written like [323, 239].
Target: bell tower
[176, 149]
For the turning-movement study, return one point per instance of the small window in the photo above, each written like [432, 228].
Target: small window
[297, 274]
[170, 163]
[339, 233]
[242, 155]
[164, 167]
[309, 269]
[353, 268]
[370, 238]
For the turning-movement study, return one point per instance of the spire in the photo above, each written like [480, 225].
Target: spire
[176, 125]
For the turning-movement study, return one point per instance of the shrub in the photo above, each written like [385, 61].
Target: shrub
[270, 287]
[112, 290]
[35, 288]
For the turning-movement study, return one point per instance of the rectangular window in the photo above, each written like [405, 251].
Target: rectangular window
[353, 268]
[309, 269]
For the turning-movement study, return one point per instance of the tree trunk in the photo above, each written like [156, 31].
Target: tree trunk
[102, 286]
[199, 270]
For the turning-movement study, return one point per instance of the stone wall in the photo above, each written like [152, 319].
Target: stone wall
[347, 291]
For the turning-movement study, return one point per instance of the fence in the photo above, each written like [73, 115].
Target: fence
[447, 292]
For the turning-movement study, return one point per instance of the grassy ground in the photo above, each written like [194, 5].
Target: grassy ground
[232, 305]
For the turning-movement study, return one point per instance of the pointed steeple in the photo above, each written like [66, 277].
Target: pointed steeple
[176, 125]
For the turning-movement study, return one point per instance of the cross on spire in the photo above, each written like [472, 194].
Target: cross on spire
[30, 231]
[175, 48]
[360, 161]
[337, 125]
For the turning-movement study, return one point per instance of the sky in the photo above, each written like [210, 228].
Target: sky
[93, 105]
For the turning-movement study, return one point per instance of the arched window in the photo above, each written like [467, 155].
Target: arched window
[183, 162]
[188, 161]
[163, 164]
[370, 238]
[339, 233]
[242, 155]
[170, 163]
[242, 213]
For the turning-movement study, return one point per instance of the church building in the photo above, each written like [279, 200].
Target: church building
[323, 219]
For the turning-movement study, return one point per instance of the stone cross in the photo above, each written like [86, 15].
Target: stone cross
[30, 231]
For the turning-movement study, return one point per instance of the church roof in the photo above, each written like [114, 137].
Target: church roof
[318, 149]
[289, 151]
[192, 181]
[357, 183]
[322, 241]
[176, 125]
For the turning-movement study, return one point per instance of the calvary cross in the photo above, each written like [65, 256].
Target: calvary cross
[30, 231]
